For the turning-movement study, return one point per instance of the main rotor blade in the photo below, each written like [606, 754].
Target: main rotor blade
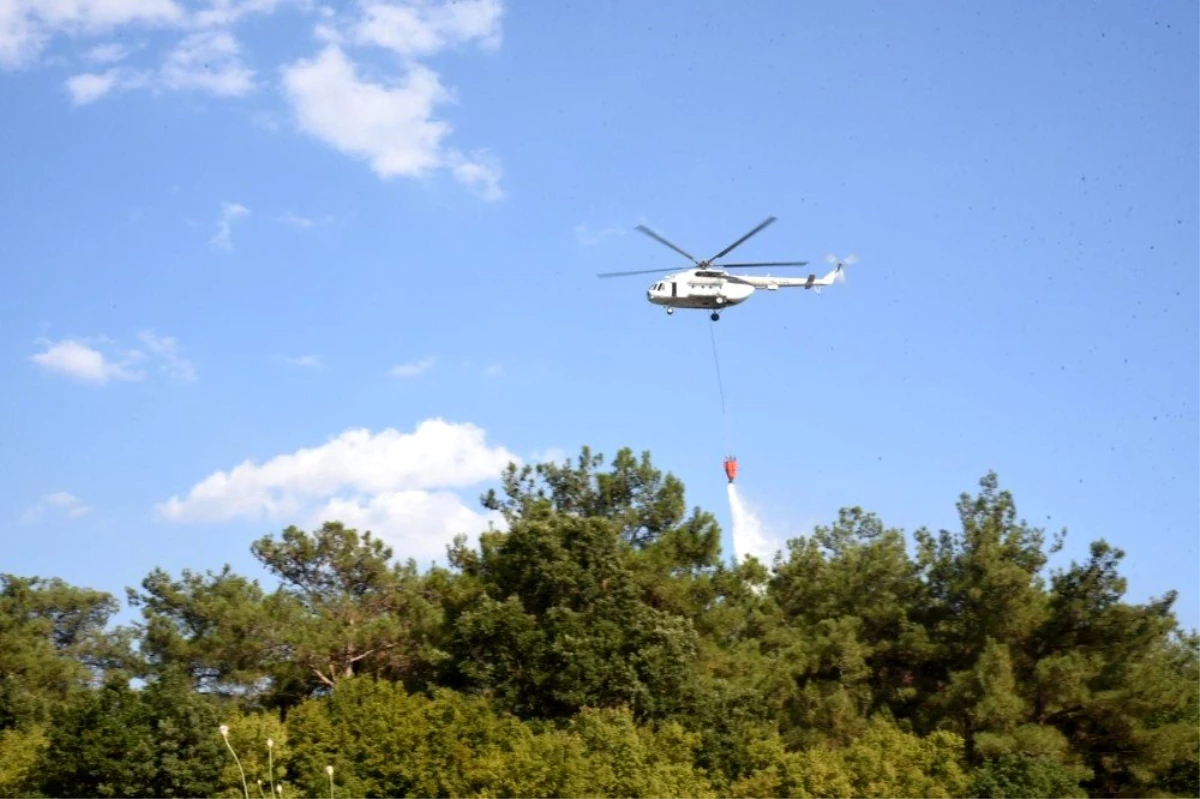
[765, 263]
[660, 239]
[729, 249]
[638, 272]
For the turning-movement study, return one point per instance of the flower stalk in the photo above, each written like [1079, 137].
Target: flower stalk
[225, 735]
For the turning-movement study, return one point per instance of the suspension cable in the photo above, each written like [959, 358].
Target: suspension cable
[720, 387]
[716, 360]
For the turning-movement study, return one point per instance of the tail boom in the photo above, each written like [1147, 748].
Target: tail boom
[771, 282]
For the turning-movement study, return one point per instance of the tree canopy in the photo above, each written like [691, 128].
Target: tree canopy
[599, 646]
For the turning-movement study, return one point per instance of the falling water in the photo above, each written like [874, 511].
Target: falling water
[749, 535]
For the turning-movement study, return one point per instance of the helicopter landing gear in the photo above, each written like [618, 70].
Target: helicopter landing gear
[715, 316]
[670, 311]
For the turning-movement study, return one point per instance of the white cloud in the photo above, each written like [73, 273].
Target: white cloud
[389, 126]
[417, 524]
[586, 237]
[413, 369]
[493, 370]
[167, 348]
[481, 175]
[306, 360]
[549, 455]
[209, 61]
[229, 213]
[82, 362]
[227, 12]
[89, 87]
[389, 123]
[89, 16]
[397, 484]
[107, 53]
[295, 220]
[26, 26]
[417, 27]
[70, 504]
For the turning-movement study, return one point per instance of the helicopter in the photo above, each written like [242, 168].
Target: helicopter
[710, 287]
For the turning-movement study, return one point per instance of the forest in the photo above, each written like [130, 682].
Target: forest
[600, 645]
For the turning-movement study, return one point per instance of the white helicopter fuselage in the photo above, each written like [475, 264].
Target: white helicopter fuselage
[698, 289]
[712, 289]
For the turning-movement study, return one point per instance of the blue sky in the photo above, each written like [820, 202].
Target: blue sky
[292, 237]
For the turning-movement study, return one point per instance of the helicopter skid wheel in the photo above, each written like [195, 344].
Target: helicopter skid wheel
[715, 316]
[670, 311]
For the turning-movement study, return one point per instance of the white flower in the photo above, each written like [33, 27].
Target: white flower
[224, 730]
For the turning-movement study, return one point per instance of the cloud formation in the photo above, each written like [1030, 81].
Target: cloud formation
[26, 26]
[398, 485]
[423, 28]
[413, 369]
[390, 126]
[89, 87]
[79, 360]
[295, 220]
[107, 53]
[206, 61]
[70, 504]
[82, 360]
[209, 61]
[586, 237]
[166, 349]
[229, 213]
[386, 117]
[313, 361]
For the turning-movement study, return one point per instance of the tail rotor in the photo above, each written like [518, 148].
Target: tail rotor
[840, 264]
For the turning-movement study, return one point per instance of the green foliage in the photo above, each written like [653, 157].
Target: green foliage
[54, 644]
[260, 741]
[597, 646]
[21, 752]
[156, 742]
[560, 623]
[383, 741]
[343, 608]
[883, 762]
[1013, 776]
[213, 626]
[645, 505]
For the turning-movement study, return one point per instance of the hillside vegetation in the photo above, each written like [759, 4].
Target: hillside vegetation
[600, 647]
